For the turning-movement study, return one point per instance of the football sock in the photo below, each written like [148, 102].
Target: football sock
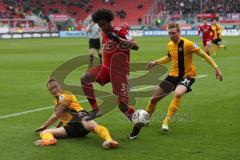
[172, 109]
[88, 90]
[130, 112]
[213, 49]
[102, 132]
[151, 107]
[46, 136]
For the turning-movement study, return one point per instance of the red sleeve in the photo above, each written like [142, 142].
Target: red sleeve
[123, 33]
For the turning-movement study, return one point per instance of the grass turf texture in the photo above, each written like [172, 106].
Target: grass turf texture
[207, 125]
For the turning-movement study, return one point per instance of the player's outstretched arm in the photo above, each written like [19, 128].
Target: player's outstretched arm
[50, 121]
[55, 116]
[163, 60]
[212, 63]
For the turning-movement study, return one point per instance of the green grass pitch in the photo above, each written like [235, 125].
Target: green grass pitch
[206, 126]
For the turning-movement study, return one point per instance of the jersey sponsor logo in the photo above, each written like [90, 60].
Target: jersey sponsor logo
[110, 47]
[195, 45]
[61, 98]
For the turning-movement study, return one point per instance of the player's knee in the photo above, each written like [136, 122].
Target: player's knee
[89, 126]
[154, 100]
[178, 94]
[85, 79]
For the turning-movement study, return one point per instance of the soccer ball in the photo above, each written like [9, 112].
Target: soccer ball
[140, 117]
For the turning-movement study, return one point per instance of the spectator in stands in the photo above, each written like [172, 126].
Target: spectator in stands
[158, 22]
[122, 14]
[140, 6]
[139, 21]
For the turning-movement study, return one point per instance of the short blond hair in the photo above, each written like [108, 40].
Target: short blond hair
[174, 25]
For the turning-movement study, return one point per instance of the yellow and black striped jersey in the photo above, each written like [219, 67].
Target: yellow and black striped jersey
[181, 55]
[217, 30]
[70, 101]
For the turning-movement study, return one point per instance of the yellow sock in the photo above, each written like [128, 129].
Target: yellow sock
[46, 136]
[213, 49]
[151, 107]
[172, 109]
[103, 133]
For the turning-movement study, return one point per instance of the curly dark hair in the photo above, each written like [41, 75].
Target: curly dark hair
[103, 14]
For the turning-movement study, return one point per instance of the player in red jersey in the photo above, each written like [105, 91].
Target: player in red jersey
[207, 35]
[115, 68]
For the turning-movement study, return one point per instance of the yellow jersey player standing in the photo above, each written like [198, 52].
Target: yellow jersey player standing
[182, 74]
[217, 36]
[72, 120]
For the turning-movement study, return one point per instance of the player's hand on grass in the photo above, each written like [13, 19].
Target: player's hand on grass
[219, 74]
[40, 129]
[113, 36]
[150, 65]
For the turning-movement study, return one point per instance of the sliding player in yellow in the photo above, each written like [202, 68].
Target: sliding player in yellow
[182, 74]
[217, 31]
[72, 123]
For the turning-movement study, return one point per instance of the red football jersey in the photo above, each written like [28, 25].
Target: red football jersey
[207, 32]
[111, 48]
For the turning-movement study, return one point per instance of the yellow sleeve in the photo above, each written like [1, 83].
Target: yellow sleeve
[193, 47]
[207, 58]
[65, 99]
[166, 59]
[163, 60]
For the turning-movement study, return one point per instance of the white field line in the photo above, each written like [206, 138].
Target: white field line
[82, 101]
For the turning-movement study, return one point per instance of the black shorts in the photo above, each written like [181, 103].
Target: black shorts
[74, 128]
[170, 83]
[94, 43]
[217, 41]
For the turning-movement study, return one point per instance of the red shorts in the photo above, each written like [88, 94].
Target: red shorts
[119, 80]
[100, 74]
[206, 41]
